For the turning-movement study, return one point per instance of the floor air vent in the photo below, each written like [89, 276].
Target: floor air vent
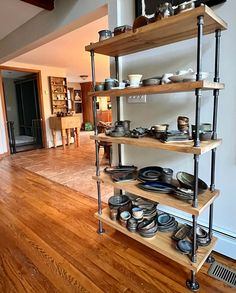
[223, 273]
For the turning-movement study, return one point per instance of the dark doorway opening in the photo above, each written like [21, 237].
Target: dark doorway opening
[22, 110]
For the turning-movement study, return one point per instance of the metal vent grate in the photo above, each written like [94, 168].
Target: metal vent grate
[223, 273]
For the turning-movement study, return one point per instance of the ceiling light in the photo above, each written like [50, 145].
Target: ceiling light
[83, 76]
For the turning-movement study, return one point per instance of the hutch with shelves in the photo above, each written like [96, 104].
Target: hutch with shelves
[58, 93]
[191, 24]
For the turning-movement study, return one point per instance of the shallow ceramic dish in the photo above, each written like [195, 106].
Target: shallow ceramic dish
[182, 232]
[121, 168]
[187, 181]
[187, 77]
[151, 81]
[185, 246]
[164, 219]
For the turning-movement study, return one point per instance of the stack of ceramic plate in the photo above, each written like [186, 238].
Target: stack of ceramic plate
[203, 238]
[150, 173]
[186, 180]
[166, 223]
[184, 193]
[149, 207]
[147, 228]
[157, 186]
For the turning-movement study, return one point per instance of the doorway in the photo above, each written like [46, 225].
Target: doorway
[22, 106]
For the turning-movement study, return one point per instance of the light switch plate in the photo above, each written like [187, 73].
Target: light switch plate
[139, 99]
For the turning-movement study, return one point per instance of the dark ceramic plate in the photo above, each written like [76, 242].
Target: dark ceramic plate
[186, 180]
[157, 186]
[122, 168]
[150, 172]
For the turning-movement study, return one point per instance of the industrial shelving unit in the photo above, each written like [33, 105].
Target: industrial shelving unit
[191, 24]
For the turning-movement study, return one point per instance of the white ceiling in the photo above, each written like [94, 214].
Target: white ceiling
[68, 52]
[14, 13]
[65, 52]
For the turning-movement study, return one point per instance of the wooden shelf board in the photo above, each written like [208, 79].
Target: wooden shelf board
[161, 89]
[204, 200]
[169, 30]
[149, 142]
[162, 243]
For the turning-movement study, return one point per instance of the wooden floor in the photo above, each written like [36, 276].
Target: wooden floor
[72, 167]
[48, 243]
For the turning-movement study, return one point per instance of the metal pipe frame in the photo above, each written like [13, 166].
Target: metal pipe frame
[100, 224]
[215, 111]
[194, 242]
[198, 92]
[192, 284]
[195, 190]
[118, 106]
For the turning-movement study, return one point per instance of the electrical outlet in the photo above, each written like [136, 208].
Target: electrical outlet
[139, 99]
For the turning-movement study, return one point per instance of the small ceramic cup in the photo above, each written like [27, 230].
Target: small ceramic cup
[113, 214]
[104, 34]
[134, 79]
[206, 127]
[137, 213]
[125, 215]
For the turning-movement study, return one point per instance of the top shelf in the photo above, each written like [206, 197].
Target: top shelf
[162, 32]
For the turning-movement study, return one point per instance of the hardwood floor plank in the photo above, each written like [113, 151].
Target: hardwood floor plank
[48, 243]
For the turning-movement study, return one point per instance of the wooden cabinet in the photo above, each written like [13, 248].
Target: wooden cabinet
[58, 93]
[87, 102]
[191, 24]
[104, 116]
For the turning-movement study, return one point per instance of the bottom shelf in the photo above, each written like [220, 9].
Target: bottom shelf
[162, 243]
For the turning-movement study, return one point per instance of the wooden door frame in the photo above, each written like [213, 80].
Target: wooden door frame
[40, 95]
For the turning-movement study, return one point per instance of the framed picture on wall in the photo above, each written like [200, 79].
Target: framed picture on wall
[77, 95]
[149, 7]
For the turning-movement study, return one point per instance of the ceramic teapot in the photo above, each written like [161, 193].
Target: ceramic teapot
[125, 124]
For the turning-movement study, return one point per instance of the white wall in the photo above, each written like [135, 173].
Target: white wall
[3, 144]
[11, 103]
[167, 107]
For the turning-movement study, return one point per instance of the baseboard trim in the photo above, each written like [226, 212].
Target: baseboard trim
[3, 155]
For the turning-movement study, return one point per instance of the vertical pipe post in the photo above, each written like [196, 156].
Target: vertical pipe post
[214, 128]
[198, 92]
[195, 190]
[192, 284]
[118, 107]
[194, 249]
[100, 225]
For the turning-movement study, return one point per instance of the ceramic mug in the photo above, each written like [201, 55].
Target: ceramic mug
[104, 34]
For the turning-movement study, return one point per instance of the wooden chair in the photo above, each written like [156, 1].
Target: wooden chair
[106, 145]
